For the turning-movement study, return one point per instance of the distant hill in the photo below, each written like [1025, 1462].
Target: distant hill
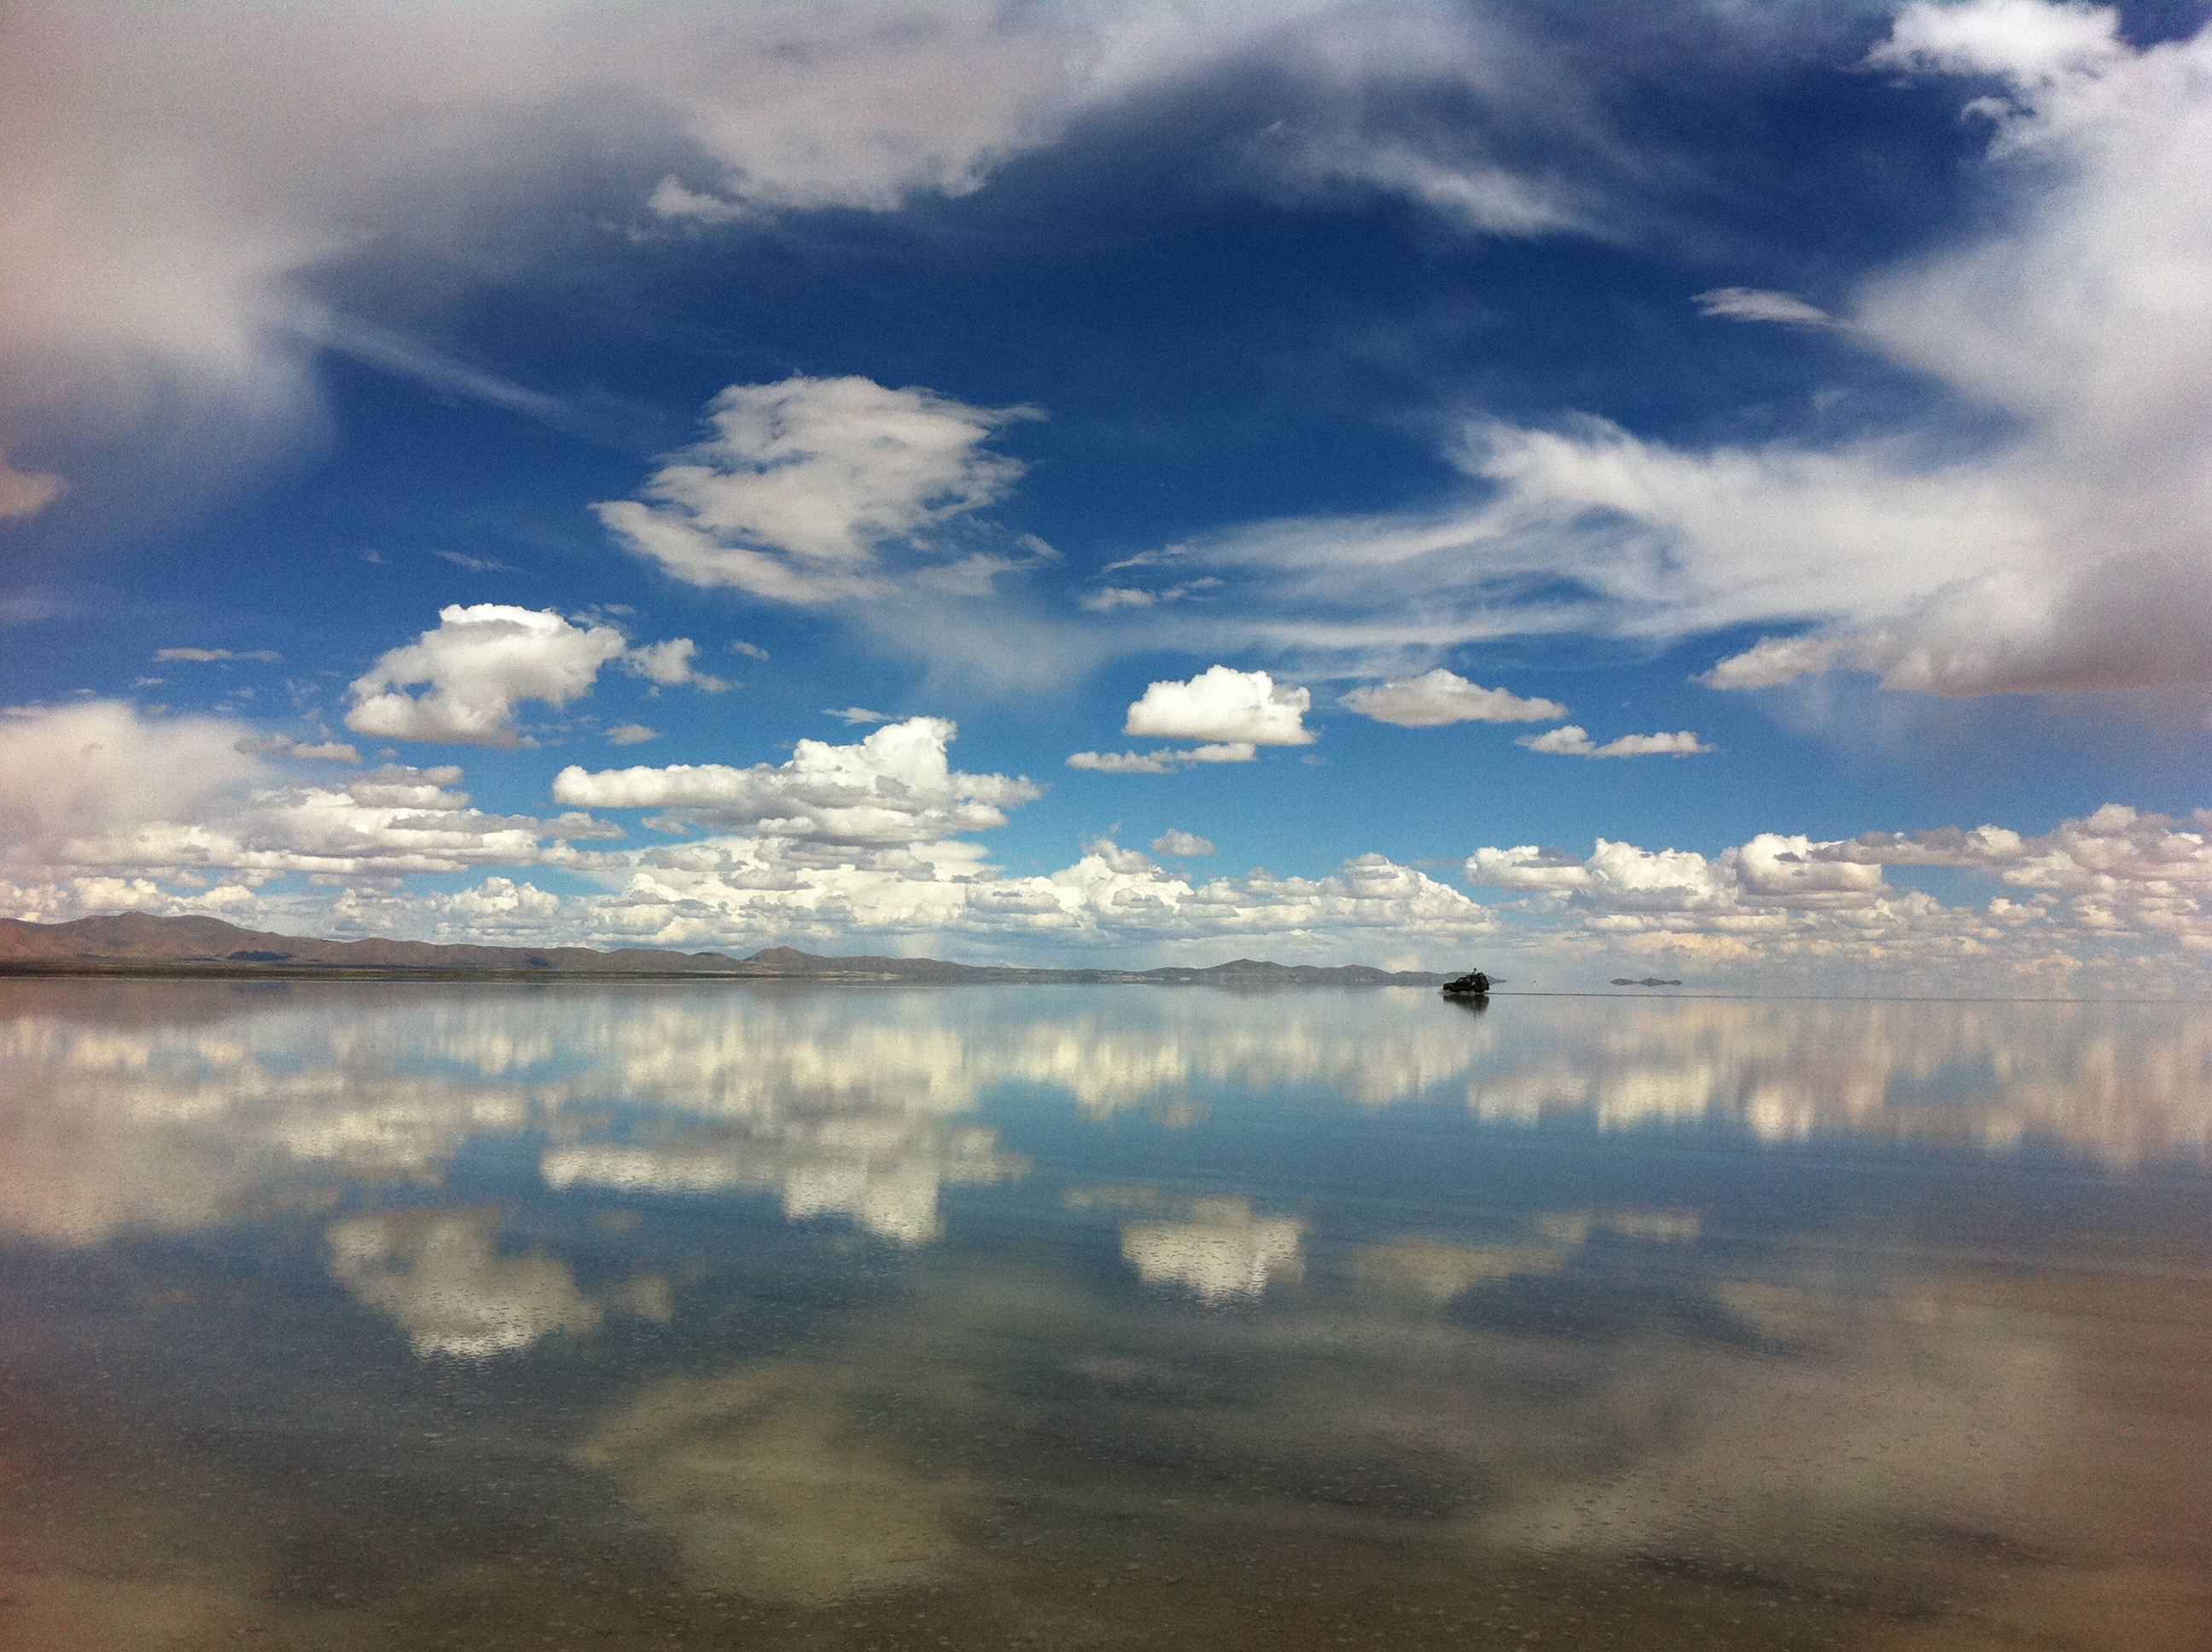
[138, 942]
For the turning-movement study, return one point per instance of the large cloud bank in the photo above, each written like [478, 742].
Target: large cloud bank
[870, 845]
[2070, 551]
[111, 801]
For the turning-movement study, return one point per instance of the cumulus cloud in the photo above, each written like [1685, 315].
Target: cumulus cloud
[856, 714]
[1181, 844]
[839, 842]
[1223, 705]
[90, 769]
[2121, 890]
[103, 809]
[97, 800]
[631, 734]
[804, 485]
[1574, 741]
[897, 787]
[1437, 697]
[1772, 870]
[481, 661]
[671, 664]
[730, 890]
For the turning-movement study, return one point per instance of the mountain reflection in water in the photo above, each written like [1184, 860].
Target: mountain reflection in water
[697, 1314]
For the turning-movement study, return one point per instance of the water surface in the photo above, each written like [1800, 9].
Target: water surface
[706, 1315]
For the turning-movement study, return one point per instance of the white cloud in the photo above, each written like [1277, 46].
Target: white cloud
[336, 751]
[897, 787]
[104, 809]
[1437, 697]
[750, 650]
[631, 734]
[2034, 44]
[160, 301]
[1770, 872]
[857, 714]
[1223, 705]
[806, 484]
[2069, 552]
[483, 660]
[2120, 892]
[96, 795]
[206, 656]
[758, 890]
[840, 842]
[2087, 317]
[1754, 304]
[671, 664]
[26, 493]
[1773, 660]
[1179, 844]
[479, 662]
[1574, 741]
[161, 317]
[1166, 761]
[98, 767]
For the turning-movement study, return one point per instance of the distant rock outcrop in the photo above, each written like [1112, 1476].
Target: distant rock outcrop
[1648, 980]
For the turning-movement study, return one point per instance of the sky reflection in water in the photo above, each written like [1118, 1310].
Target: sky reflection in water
[1080, 1316]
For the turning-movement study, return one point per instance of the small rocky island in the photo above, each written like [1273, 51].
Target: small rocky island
[1648, 980]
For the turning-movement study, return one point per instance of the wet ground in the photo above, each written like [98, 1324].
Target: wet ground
[487, 1316]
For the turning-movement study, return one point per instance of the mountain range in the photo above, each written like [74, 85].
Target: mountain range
[139, 943]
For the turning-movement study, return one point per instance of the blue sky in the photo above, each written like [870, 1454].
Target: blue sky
[1414, 483]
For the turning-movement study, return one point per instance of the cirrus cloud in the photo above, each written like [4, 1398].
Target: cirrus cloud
[2061, 547]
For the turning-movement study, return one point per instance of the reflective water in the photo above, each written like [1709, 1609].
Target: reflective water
[480, 1315]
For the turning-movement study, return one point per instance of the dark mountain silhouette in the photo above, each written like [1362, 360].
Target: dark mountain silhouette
[138, 942]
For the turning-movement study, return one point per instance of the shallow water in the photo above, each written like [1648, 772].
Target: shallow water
[700, 1314]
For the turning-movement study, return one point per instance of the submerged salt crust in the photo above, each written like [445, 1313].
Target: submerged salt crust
[699, 1314]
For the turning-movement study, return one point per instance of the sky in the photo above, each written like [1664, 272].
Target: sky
[1715, 490]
